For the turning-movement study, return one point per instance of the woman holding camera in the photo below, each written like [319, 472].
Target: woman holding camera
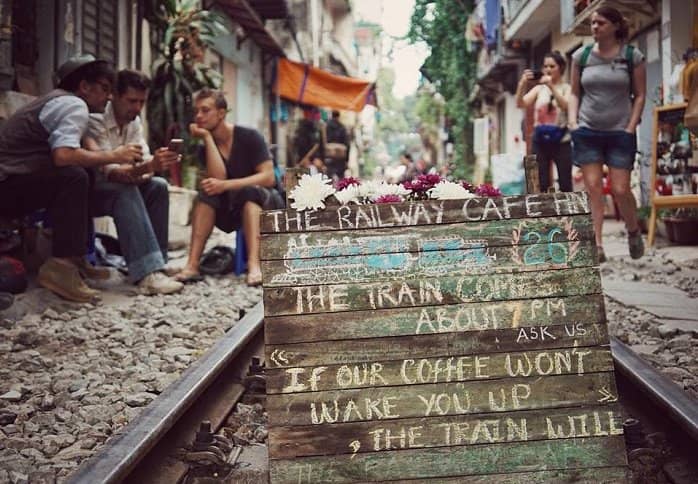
[608, 95]
[548, 93]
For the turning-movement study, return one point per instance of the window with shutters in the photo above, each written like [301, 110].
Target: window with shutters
[99, 29]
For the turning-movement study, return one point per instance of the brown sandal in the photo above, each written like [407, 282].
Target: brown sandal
[186, 276]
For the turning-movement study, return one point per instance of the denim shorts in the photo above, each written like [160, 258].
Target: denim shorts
[616, 149]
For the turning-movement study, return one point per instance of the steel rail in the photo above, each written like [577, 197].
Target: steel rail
[122, 454]
[663, 392]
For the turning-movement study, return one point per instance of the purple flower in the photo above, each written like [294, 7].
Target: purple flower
[345, 182]
[487, 190]
[388, 199]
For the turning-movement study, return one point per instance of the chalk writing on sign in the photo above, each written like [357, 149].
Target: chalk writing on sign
[430, 212]
[334, 262]
[441, 370]
[495, 430]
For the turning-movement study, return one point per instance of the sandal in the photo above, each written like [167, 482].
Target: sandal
[254, 278]
[186, 276]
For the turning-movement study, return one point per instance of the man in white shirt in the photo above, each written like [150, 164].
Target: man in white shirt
[137, 200]
[43, 166]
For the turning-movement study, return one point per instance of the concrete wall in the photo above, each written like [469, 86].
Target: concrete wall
[247, 106]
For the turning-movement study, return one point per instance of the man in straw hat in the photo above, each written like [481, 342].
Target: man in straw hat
[43, 166]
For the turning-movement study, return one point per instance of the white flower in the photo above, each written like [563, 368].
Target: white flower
[347, 195]
[447, 190]
[391, 189]
[311, 192]
[367, 189]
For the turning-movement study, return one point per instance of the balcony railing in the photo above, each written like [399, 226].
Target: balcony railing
[575, 15]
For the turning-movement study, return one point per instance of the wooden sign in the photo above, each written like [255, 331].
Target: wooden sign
[439, 341]
[674, 164]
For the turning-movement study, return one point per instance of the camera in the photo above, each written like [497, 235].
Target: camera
[537, 75]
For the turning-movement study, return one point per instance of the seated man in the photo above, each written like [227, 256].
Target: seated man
[138, 201]
[239, 186]
[42, 166]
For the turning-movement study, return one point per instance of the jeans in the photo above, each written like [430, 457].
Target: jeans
[141, 216]
[561, 154]
[62, 191]
[615, 148]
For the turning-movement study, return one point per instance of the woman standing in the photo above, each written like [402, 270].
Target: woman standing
[608, 94]
[549, 96]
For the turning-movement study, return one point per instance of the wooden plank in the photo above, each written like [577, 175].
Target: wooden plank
[453, 318]
[435, 263]
[430, 400]
[524, 426]
[426, 292]
[598, 475]
[410, 239]
[443, 369]
[434, 345]
[428, 212]
[544, 455]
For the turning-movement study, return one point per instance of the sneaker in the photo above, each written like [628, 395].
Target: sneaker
[636, 245]
[88, 271]
[601, 254]
[64, 279]
[159, 283]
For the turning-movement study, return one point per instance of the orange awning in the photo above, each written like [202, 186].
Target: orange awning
[304, 84]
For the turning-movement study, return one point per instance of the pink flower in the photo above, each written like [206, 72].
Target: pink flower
[388, 199]
[487, 190]
[422, 183]
[345, 182]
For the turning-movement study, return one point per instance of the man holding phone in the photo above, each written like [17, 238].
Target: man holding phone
[136, 200]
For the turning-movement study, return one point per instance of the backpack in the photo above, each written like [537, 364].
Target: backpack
[629, 51]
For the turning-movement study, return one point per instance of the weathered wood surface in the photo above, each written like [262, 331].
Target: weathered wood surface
[448, 368]
[426, 292]
[434, 345]
[522, 426]
[454, 318]
[422, 265]
[598, 475]
[439, 341]
[411, 401]
[547, 455]
[411, 239]
[428, 212]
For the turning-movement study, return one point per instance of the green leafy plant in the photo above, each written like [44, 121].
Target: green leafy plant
[181, 31]
[451, 67]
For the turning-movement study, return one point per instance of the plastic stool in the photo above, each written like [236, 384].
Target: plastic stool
[240, 252]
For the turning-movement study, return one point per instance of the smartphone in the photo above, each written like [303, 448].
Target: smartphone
[537, 75]
[176, 145]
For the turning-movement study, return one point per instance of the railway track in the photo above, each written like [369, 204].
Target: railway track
[661, 430]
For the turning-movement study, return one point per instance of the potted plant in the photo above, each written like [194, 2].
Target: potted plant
[682, 225]
[182, 31]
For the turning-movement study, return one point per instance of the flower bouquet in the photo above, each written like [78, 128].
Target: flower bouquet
[313, 192]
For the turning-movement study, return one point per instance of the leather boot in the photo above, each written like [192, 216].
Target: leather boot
[64, 279]
[88, 271]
